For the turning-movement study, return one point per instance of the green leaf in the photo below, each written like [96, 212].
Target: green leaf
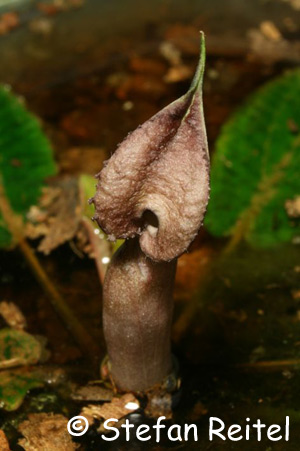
[255, 168]
[25, 158]
[15, 384]
[18, 348]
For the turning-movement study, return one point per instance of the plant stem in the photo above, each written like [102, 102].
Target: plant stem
[137, 317]
[270, 364]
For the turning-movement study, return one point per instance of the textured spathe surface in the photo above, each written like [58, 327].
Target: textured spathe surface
[162, 167]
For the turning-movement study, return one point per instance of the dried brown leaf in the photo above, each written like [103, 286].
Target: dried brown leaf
[117, 408]
[59, 215]
[42, 26]
[12, 315]
[47, 432]
[170, 52]
[4, 445]
[159, 404]
[178, 73]
[147, 66]
[8, 21]
[271, 50]
[270, 31]
[92, 392]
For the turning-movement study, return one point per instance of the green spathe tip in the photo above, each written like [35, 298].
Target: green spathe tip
[198, 78]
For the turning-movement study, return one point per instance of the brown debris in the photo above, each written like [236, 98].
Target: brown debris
[83, 125]
[296, 294]
[79, 160]
[47, 432]
[170, 52]
[60, 216]
[184, 37]
[198, 412]
[49, 9]
[236, 315]
[290, 24]
[4, 445]
[159, 404]
[8, 21]
[42, 26]
[57, 6]
[272, 50]
[270, 31]
[192, 269]
[12, 315]
[292, 207]
[141, 84]
[117, 408]
[148, 66]
[92, 392]
[178, 73]
[145, 79]
[69, 4]
[295, 4]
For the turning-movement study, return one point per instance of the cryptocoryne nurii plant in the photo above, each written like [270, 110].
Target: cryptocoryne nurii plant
[153, 193]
